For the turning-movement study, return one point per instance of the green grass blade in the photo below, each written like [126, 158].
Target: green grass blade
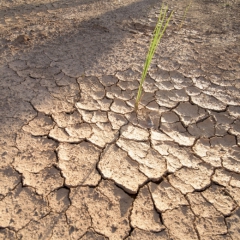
[185, 13]
[158, 32]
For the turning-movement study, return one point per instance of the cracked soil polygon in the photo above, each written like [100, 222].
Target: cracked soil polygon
[58, 200]
[115, 164]
[20, 207]
[106, 202]
[166, 197]
[76, 158]
[143, 215]
[44, 181]
[180, 223]
[139, 234]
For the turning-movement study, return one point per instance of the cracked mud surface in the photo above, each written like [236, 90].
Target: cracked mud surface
[77, 162]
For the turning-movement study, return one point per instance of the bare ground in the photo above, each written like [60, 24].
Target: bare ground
[77, 162]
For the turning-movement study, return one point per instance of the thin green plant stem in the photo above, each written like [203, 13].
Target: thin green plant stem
[158, 32]
[151, 51]
[185, 14]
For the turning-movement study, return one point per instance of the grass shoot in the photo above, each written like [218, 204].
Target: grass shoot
[185, 14]
[163, 21]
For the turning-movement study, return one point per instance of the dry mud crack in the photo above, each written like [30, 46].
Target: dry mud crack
[76, 160]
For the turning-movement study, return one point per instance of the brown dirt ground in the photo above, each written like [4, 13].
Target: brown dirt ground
[76, 161]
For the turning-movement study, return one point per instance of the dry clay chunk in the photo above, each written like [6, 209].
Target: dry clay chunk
[78, 162]
[166, 197]
[107, 202]
[151, 163]
[209, 221]
[72, 134]
[91, 235]
[21, 206]
[180, 184]
[7, 234]
[45, 181]
[46, 103]
[79, 219]
[138, 234]
[179, 222]
[102, 134]
[91, 87]
[7, 154]
[58, 200]
[189, 113]
[144, 216]
[209, 102]
[220, 200]
[116, 165]
[36, 153]
[198, 177]
[233, 224]
[178, 133]
[9, 179]
[39, 126]
[135, 133]
[53, 226]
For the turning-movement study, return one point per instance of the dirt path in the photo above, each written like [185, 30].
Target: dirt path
[77, 162]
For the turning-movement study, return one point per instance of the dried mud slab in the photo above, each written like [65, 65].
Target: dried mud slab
[179, 222]
[135, 149]
[51, 226]
[90, 86]
[220, 200]
[117, 120]
[79, 131]
[61, 135]
[198, 177]
[58, 200]
[119, 106]
[153, 165]
[209, 221]
[21, 206]
[205, 129]
[78, 158]
[208, 102]
[46, 103]
[9, 179]
[44, 181]
[134, 133]
[78, 220]
[233, 224]
[39, 126]
[64, 119]
[116, 165]
[103, 134]
[91, 235]
[180, 184]
[35, 153]
[106, 202]
[143, 215]
[7, 154]
[7, 234]
[178, 133]
[166, 197]
[190, 113]
[138, 234]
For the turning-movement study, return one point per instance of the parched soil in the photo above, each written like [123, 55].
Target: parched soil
[76, 160]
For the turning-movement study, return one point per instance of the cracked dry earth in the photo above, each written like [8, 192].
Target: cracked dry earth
[77, 162]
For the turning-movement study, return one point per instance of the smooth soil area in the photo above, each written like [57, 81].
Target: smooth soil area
[76, 160]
